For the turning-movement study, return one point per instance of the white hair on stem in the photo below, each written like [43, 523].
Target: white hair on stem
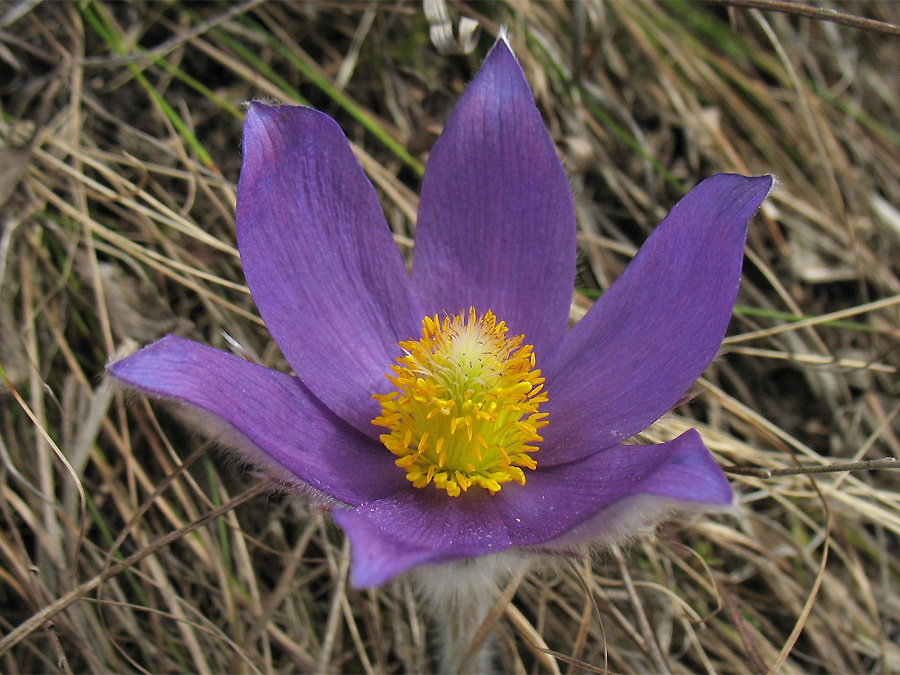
[458, 597]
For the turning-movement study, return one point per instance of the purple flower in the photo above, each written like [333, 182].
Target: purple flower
[449, 413]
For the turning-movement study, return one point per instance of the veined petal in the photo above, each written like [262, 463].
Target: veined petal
[320, 260]
[496, 226]
[414, 527]
[612, 493]
[270, 417]
[655, 330]
[376, 558]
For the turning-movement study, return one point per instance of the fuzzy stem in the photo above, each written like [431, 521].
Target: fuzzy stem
[459, 598]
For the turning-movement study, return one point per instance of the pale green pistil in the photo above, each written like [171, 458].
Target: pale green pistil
[465, 408]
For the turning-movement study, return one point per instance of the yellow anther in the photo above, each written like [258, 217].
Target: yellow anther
[465, 409]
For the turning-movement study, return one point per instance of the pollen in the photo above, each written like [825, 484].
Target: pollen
[464, 408]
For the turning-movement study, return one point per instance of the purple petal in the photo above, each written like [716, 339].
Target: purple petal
[656, 329]
[417, 526]
[320, 260]
[270, 416]
[496, 227]
[376, 558]
[610, 494]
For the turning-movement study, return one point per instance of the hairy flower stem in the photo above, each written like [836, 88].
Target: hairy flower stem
[464, 602]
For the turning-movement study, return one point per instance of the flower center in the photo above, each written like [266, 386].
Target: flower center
[465, 408]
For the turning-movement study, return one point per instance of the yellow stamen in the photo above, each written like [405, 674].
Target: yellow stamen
[465, 408]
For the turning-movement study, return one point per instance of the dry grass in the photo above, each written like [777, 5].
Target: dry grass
[126, 547]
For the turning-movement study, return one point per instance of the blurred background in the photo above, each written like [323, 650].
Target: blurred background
[127, 546]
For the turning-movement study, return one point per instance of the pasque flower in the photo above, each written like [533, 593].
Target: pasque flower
[448, 413]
